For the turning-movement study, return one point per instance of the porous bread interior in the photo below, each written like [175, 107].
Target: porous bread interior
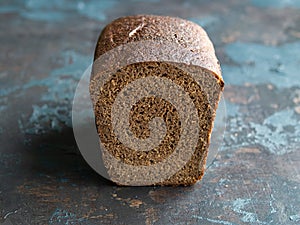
[201, 85]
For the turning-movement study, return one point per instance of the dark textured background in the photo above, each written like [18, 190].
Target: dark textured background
[45, 47]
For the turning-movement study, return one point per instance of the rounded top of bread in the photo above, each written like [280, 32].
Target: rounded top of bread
[165, 29]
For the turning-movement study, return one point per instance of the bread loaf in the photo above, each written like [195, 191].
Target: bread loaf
[155, 88]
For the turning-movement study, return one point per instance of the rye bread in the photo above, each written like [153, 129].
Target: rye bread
[199, 77]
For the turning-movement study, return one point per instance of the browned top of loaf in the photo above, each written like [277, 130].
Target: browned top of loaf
[160, 28]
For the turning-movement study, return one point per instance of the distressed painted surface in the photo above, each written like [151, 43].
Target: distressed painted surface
[45, 47]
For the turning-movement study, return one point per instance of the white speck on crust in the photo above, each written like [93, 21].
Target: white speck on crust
[136, 29]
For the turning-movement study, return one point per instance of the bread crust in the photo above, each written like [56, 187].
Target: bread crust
[161, 29]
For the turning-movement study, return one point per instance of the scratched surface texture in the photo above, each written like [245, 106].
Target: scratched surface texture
[45, 47]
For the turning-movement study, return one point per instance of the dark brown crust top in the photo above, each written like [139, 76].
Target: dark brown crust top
[160, 28]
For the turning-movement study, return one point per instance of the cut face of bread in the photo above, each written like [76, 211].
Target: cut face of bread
[155, 104]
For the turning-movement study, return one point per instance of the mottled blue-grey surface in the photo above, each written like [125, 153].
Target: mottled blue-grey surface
[45, 48]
